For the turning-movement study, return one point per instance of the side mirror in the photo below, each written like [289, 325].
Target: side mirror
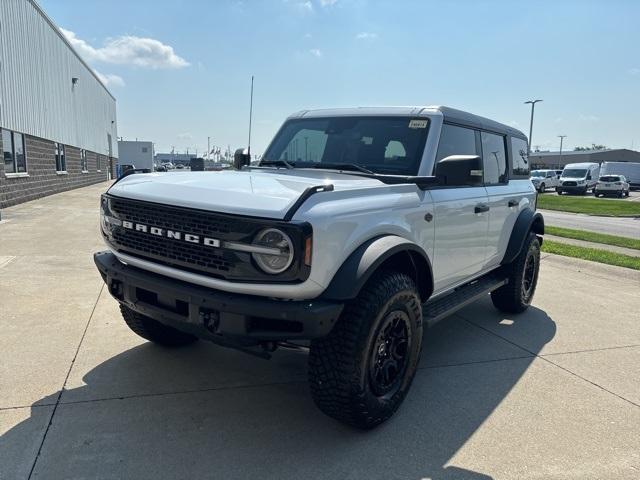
[241, 158]
[460, 170]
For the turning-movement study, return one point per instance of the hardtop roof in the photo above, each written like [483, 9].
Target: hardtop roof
[451, 115]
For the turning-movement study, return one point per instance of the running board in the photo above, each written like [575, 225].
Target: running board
[439, 308]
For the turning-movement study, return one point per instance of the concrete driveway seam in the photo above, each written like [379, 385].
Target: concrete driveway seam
[66, 378]
[590, 350]
[554, 364]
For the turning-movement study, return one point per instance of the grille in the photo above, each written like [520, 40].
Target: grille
[216, 262]
[569, 184]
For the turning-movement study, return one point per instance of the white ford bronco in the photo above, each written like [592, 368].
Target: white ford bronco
[358, 229]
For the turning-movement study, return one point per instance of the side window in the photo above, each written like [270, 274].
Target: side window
[494, 158]
[456, 140]
[520, 158]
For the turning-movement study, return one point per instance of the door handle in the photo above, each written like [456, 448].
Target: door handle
[481, 208]
[513, 203]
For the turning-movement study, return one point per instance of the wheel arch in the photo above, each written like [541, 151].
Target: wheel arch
[527, 221]
[390, 251]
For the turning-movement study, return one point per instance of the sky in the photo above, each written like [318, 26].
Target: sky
[181, 70]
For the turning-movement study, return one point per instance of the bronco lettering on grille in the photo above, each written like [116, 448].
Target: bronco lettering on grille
[173, 234]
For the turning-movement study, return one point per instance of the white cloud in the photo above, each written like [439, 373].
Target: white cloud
[184, 136]
[588, 118]
[366, 36]
[634, 71]
[327, 3]
[109, 79]
[303, 6]
[316, 52]
[128, 50]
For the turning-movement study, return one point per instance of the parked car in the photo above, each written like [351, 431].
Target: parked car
[612, 185]
[543, 179]
[179, 166]
[630, 170]
[161, 168]
[393, 219]
[578, 178]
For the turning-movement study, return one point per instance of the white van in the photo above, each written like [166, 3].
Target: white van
[578, 178]
[630, 170]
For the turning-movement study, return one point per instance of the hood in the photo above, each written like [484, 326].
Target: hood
[573, 179]
[258, 193]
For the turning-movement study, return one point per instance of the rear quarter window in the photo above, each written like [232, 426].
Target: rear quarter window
[520, 158]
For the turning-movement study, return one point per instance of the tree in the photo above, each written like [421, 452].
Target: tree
[592, 147]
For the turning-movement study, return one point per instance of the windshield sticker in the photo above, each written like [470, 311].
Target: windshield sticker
[418, 123]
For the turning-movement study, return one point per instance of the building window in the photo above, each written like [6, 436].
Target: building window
[145, 149]
[61, 159]
[13, 152]
[83, 161]
[98, 163]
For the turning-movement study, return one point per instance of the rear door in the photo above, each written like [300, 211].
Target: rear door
[504, 199]
[461, 215]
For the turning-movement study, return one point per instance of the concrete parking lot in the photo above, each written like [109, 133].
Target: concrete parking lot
[552, 393]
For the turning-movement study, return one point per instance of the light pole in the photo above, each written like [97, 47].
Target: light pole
[561, 137]
[533, 106]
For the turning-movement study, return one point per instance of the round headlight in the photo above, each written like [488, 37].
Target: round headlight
[277, 252]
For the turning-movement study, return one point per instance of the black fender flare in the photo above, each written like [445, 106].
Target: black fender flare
[527, 221]
[371, 255]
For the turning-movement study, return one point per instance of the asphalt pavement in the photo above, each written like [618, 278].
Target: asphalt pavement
[623, 226]
[553, 393]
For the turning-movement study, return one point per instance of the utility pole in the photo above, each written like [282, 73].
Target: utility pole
[208, 146]
[561, 137]
[533, 106]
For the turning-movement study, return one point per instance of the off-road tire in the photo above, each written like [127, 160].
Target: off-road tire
[514, 297]
[154, 331]
[342, 365]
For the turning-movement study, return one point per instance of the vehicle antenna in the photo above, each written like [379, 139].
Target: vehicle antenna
[250, 115]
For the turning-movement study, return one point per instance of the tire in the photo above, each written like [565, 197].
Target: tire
[361, 372]
[542, 188]
[620, 194]
[154, 331]
[516, 295]
[559, 192]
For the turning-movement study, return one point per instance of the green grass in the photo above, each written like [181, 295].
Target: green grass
[590, 206]
[593, 237]
[592, 254]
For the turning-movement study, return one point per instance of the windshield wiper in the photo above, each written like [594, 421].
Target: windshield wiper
[342, 166]
[276, 163]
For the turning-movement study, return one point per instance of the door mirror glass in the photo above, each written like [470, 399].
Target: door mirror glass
[460, 171]
[241, 158]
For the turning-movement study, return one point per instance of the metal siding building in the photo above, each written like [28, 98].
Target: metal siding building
[555, 160]
[40, 99]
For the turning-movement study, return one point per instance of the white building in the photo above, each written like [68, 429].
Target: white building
[58, 120]
[135, 153]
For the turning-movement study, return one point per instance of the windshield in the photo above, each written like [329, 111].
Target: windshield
[386, 145]
[538, 173]
[574, 173]
[609, 178]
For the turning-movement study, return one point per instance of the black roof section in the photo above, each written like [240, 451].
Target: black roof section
[459, 117]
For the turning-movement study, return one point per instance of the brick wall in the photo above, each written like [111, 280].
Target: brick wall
[43, 179]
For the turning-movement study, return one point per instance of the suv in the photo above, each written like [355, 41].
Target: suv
[612, 185]
[358, 229]
[543, 179]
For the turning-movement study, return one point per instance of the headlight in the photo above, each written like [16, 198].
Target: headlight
[107, 220]
[277, 250]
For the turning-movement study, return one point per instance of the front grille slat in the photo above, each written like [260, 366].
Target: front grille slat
[217, 262]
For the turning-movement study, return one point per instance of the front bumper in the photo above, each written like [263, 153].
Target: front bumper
[213, 314]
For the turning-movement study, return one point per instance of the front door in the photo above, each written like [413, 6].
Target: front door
[461, 210]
